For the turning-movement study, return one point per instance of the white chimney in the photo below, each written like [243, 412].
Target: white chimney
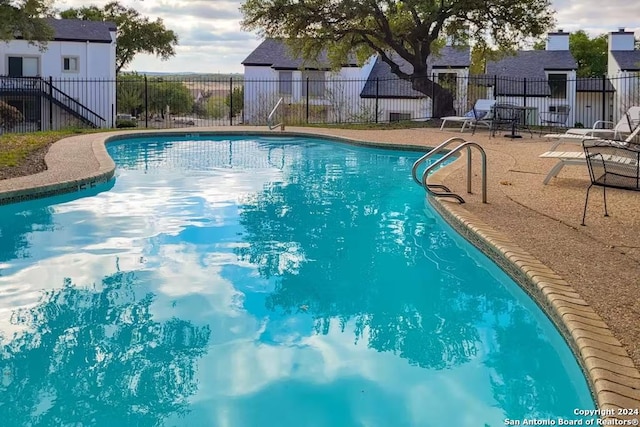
[558, 40]
[621, 40]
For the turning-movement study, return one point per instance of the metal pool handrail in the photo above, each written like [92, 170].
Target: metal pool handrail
[446, 191]
[432, 152]
[270, 117]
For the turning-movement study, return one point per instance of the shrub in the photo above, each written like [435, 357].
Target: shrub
[9, 116]
[215, 108]
[237, 96]
[124, 123]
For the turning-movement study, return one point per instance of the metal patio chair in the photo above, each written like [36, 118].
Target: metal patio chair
[556, 117]
[611, 164]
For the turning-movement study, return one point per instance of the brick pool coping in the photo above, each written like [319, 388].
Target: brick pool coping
[80, 162]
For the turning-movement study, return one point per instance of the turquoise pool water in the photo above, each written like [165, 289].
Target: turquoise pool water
[252, 281]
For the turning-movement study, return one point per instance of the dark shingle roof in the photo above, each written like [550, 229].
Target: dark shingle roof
[391, 86]
[276, 54]
[593, 84]
[81, 31]
[531, 65]
[628, 60]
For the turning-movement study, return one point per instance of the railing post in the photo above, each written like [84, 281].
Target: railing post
[307, 102]
[51, 103]
[377, 94]
[495, 87]
[524, 90]
[230, 101]
[146, 102]
[433, 95]
[604, 99]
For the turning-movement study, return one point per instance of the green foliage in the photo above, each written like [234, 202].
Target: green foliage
[411, 29]
[122, 123]
[590, 53]
[9, 116]
[130, 93]
[136, 33]
[24, 17]
[215, 107]
[237, 96]
[163, 94]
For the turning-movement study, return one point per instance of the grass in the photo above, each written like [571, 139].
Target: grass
[15, 148]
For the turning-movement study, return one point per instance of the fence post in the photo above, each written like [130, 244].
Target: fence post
[433, 94]
[495, 86]
[307, 102]
[377, 94]
[51, 103]
[524, 90]
[230, 101]
[146, 102]
[604, 99]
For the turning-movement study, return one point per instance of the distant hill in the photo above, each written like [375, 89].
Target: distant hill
[192, 76]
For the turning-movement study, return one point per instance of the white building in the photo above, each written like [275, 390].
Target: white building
[354, 93]
[71, 81]
[624, 70]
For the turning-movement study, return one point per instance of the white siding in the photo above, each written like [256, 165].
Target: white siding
[92, 85]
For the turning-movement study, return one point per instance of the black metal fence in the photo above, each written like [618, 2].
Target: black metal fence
[34, 103]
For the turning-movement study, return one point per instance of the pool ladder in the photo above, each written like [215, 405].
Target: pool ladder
[272, 113]
[444, 191]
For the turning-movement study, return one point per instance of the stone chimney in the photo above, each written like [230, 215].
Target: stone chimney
[558, 40]
[621, 40]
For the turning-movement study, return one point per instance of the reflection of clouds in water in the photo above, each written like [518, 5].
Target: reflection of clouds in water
[245, 369]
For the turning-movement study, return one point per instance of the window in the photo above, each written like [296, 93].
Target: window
[23, 66]
[398, 117]
[316, 82]
[449, 81]
[284, 80]
[70, 64]
[558, 85]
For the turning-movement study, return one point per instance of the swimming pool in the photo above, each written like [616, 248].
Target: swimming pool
[253, 281]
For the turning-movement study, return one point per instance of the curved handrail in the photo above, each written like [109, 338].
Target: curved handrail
[468, 146]
[433, 151]
[270, 116]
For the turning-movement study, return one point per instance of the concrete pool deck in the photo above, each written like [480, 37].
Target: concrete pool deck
[586, 277]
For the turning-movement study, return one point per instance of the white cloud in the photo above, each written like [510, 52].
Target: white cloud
[212, 41]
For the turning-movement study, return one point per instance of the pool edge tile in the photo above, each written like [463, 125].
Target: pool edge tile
[598, 352]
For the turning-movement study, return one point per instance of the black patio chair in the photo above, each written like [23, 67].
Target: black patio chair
[611, 164]
[556, 117]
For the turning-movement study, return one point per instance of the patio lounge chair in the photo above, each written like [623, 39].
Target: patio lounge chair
[481, 113]
[613, 165]
[566, 158]
[626, 125]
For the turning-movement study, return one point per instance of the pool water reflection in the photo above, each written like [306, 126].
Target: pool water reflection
[263, 282]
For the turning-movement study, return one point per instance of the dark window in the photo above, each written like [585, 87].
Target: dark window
[316, 81]
[15, 66]
[284, 78]
[558, 85]
[70, 63]
[398, 117]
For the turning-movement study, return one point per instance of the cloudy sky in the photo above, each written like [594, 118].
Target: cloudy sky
[211, 40]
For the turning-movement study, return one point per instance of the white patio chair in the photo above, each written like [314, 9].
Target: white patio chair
[481, 113]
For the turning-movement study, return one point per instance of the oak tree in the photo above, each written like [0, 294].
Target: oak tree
[136, 33]
[22, 18]
[399, 31]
